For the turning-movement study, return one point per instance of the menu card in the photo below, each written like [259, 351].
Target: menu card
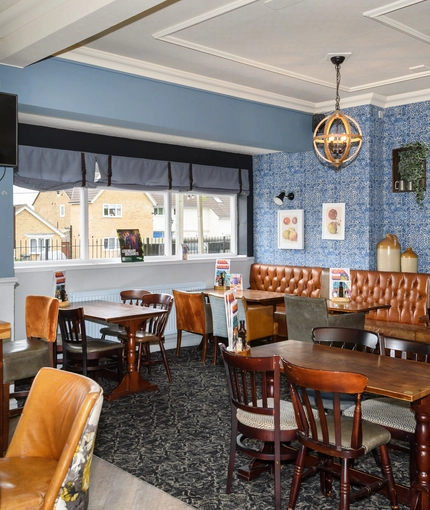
[340, 283]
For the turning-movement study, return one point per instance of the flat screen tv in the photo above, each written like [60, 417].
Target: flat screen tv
[8, 129]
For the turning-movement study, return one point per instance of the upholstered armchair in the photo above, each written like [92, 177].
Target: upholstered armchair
[304, 313]
[48, 462]
[259, 322]
[22, 359]
[194, 315]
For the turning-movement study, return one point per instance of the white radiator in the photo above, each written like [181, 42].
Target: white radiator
[113, 295]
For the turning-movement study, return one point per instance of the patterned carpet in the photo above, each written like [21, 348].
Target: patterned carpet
[177, 439]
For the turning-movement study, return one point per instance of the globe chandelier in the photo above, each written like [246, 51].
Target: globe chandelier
[337, 138]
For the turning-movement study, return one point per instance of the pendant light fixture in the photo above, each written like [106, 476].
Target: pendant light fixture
[338, 137]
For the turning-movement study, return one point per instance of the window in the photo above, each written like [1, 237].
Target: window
[111, 244]
[112, 210]
[207, 225]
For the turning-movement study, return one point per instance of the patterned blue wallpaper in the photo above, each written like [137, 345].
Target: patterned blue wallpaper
[371, 208]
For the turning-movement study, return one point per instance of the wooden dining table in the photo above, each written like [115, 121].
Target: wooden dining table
[130, 317]
[263, 297]
[390, 377]
[260, 297]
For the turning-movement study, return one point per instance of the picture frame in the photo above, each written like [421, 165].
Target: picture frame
[291, 229]
[333, 221]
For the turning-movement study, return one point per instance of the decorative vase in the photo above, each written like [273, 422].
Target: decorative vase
[388, 254]
[409, 261]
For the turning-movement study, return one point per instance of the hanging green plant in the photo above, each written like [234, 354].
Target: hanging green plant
[412, 159]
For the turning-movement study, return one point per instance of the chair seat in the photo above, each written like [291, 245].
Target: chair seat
[260, 421]
[373, 434]
[387, 412]
[24, 358]
[24, 482]
[95, 345]
[113, 330]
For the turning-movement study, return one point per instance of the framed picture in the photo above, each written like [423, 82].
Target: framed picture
[333, 221]
[291, 229]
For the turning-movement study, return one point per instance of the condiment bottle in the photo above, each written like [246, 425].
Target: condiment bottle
[242, 335]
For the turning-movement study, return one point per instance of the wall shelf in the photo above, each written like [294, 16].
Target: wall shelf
[396, 180]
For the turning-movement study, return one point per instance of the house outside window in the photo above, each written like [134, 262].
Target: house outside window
[62, 211]
[205, 223]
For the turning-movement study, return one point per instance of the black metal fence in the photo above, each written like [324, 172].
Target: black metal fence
[97, 249]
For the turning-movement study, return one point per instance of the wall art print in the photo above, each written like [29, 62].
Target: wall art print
[291, 229]
[333, 221]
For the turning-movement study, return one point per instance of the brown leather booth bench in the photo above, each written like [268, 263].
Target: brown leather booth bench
[406, 293]
[297, 280]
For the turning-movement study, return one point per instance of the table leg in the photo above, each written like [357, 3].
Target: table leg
[420, 486]
[132, 381]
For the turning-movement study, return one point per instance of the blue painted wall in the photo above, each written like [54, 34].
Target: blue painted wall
[365, 186]
[67, 90]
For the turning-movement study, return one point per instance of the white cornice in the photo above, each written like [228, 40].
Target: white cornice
[145, 69]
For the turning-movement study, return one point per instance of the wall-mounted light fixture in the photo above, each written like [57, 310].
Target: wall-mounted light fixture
[337, 138]
[279, 200]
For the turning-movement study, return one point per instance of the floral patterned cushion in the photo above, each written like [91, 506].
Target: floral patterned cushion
[74, 494]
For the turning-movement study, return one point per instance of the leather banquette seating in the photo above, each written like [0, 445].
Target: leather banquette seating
[296, 280]
[406, 293]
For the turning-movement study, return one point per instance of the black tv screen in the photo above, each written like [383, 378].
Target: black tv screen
[8, 129]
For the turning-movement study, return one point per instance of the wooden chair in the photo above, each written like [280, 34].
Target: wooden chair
[153, 332]
[332, 435]
[396, 415]
[258, 413]
[131, 297]
[22, 359]
[194, 315]
[345, 338]
[304, 313]
[84, 355]
[259, 322]
[49, 458]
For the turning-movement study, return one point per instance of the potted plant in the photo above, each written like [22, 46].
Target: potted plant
[412, 159]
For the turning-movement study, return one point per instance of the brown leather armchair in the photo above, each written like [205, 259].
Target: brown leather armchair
[194, 315]
[37, 472]
[259, 322]
[22, 359]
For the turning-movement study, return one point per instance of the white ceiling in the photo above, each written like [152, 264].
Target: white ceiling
[273, 51]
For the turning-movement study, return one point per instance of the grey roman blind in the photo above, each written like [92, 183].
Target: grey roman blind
[142, 174]
[45, 169]
[218, 180]
[147, 175]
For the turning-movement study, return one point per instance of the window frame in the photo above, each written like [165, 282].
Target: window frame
[111, 206]
[170, 214]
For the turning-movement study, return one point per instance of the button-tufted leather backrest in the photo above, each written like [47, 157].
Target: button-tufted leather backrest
[297, 280]
[407, 293]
